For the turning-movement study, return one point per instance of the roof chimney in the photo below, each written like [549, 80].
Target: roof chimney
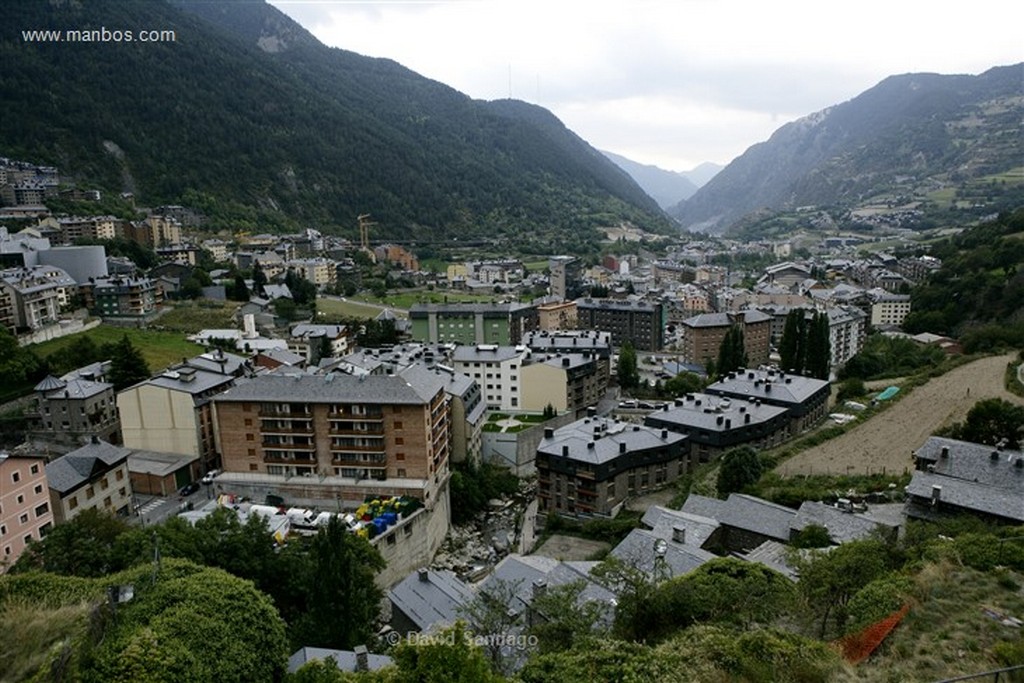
[936, 493]
[424, 574]
[945, 451]
[540, 586]
[664, 433]
[565, 451]
[362, 658]
[679, 534]
[591, 412]
[622, 447]
[549, 433]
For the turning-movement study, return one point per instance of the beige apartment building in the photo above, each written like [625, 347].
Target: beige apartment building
[560, 315]
[171, 413]
[566, 381]
[337, 437]
[25, 513]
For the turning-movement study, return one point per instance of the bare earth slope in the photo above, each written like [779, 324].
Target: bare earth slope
[886, 440]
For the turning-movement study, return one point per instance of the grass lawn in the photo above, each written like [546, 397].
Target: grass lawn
[160, 349]
[192, 316]
[403, 301]
[333, 309]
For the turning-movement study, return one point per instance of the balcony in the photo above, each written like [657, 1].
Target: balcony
[288, 459]
[279, 445]
[342, 428]
[355, 460]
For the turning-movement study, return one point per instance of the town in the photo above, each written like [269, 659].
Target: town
[349, 384]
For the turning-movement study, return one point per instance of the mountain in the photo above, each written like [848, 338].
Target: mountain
[906, 136]
[668, 188]
[247, 117]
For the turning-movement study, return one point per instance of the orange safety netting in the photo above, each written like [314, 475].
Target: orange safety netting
[858, 646]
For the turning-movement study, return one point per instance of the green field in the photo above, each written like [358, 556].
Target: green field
[160, 349]
[403, 301]
[192, 316]
[334, 309]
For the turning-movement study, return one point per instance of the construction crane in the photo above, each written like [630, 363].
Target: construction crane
[364, 235]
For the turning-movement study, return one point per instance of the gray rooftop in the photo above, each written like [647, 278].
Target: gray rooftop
[68, 472]
[158, 464]
[487, 353]
[973, 462]
[768, 385]
[467, 307]
[429, 597]
[177, 377]
[521, 571]
[842, 526]
[597, 440]
[638, 550]
[417, 388]
[705, 415]
[345, 660]
[724, 320]
[80, 389]
[745, 512]
[663, 522]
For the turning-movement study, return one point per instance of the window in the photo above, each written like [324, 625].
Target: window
[15, 477]
[72, 502]
[23, 518]
[250, 437]
[89, 493]
[399, 456]
[120, 475]
[122, 492]
[107, 502]
[398, 424]
[21, 499]
[399, 441]
[34, 469]
[104, 484]
[38, 489]
[42, 509]
[253, 467]
[401, 472]
[248, 422]
[3, 529]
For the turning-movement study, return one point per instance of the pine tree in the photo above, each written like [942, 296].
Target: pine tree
[793, 343]
[628, 374]
[127, 366]
[732, 354]
[819, 347]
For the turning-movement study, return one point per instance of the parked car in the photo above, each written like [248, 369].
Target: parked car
[188, 489]
[210, 476]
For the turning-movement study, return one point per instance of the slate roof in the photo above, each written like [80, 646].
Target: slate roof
[521, 571]
[842, 526]
[637, 550]
[202, 380]
[705, 416]
[158, 464]
[433, 601]
[487, 353]
[973, 462]
[579, 437]
[785, 388]
[745, 512]
[662, 521]
[414, 389]
[344, 659]
[68, 472]
[79, 388]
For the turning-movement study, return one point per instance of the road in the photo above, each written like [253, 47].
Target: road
[886, 441]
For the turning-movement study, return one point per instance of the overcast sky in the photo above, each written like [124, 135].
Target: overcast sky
[672, 83]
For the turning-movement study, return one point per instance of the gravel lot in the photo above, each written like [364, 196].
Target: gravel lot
[886, 441]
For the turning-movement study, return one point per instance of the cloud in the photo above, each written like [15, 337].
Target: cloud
[678, 81]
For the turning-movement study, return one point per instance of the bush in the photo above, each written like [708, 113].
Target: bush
[877, 600]
[852, 387]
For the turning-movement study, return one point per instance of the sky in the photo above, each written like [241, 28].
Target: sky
[671, 83]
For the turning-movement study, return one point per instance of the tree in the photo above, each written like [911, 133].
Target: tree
[448, 656]
[819, 347]
[739, 469]
[829, 580]
[343, 605]
[792, 346]
[628, 375]
[684, 383]
[81, 546]
[127, 366]
[259, 279]
[561, 618]
[992, 421]
[492, 612]
[239, 291]
[17, 364]
[285, 308]
[732, 353]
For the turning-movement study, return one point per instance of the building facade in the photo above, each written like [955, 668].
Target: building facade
[94, 476]
[25, 512]
[591, 466]
[702, 335]
[640, 323]
[468, 323]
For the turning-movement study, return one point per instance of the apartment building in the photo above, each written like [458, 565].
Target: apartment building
[805, 399]
[639, 322]
[93, 476]
[121, 296]
[597, 344]
[497, 370]
[76, 405]
[568, 382]
[25, 513]
[888, 309]
[560, 315]
[172, 412]
[590, 467]
[74, 228]
[702, 335]
[32, 297]
[337, 437]
[470, 323]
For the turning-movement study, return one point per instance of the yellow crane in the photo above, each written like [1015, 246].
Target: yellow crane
[364, 235]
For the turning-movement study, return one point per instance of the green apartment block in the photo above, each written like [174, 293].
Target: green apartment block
[473, 323]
